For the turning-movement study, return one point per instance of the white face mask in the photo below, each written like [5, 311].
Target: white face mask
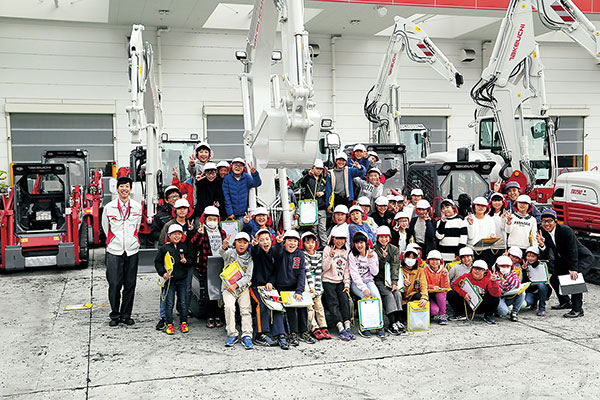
[504, 271]
[410, 261]
[211, 224]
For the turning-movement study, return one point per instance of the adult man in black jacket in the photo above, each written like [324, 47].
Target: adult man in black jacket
[562, 249]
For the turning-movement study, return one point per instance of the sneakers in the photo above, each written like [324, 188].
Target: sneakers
[344, 335]
[489, 319]
[247, 342]
[218, 322]
[127, 321]
[350, 334]
[541, 313]
[563, 306]
[210, 323]
[443, 320]
[459, 317]
[231, 340]
[318, 334]
[161, 324]
[326, 334]
[283, 343]
[573, 314]
[170, 329]
[513, 316]
[400, 326]
[293, 338]
[306, 338]
[381, 333]
[264, 340]
[393, 329]
[113, 322]
[183, 327]
[365, 334]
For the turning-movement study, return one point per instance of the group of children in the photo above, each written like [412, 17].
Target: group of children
[384, 247]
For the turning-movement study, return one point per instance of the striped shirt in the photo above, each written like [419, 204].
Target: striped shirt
[314, 270]
[452, 236]
[511, 281]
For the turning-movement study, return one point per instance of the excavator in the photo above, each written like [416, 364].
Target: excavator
[521, 141]
[282, 125]
[382, 103]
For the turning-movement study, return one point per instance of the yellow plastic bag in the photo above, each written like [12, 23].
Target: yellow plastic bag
[418, 317]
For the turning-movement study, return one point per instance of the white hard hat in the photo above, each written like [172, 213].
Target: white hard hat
[382, 201]
[211, 210]
[307, 234]
[171, 188]
[223, 164]
[340, 208]
[434, 254]
[449, 201]
[341, 155]
[210, 165]
[402, 214]
[423, 204]
[374, 154]
[291, 234]
[318, 163]
[363, 201]
[174, 228]
[242, 235]
[181, 203]
[524, 199]
[203, 144]
[416, 192]
[533, 249]
[355, 208]
[399, 197]
[260, 211]
[411, 249]
[465, 251]
[360, 147]
[480, 264]
[383, 230]
[340, 231]
[413, 246]
[263, 230]
[374, 170]
[238, 159]
[480, 201]
[515, 251]
[391, 197]
[496, 194]
[504, 260]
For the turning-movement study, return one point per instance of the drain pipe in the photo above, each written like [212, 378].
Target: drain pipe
[159, 32]
[333, 89]
[483, 46]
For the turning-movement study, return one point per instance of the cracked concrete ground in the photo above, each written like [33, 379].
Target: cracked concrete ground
[51, 353]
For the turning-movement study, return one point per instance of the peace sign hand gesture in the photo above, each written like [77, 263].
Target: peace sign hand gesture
[226, 242]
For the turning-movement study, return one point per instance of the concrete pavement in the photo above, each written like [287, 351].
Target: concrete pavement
[51, 353]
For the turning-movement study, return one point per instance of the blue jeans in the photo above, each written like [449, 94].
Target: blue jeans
[539, 296]
[516, 302]
[179, 287]
[370, 285]
[189, 279]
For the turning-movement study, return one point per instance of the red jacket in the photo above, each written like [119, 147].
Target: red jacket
[481, 286]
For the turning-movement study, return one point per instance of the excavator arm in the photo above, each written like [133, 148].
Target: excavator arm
[145, 114]
[382, 104]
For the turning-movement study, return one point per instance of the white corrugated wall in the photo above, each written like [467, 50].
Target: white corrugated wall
[87, 64]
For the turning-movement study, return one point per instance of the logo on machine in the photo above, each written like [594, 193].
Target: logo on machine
[257, 25]
[513, 53]
[393, 62]
[577, 191]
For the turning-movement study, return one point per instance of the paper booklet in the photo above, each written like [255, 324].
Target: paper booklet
[288, 299]
[518, 290]
[388, 278]
[538, 274]
[231, 275]
[476, 299]
[567, 286]
[486, 242]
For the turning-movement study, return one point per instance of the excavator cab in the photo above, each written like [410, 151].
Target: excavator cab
[538, 143]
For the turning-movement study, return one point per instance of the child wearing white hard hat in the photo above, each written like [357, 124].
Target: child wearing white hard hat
[451, 231]
[387, 279]
[508, 280]
[520, 225]
[481, 226]
[437, 285]
[421, 229]
[340, 181]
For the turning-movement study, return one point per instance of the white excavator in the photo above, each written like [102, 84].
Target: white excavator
[145, 126]
[523, 141]
[382, 103]
[281, 122]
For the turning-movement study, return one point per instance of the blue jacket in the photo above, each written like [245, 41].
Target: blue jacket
[290, 272]
[353, 228]
[251, 228]
[352, 172]
[236, 192]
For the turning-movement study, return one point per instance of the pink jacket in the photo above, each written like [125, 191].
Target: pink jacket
[363, 269]
[335, 269]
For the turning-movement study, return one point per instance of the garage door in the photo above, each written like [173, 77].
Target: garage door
[31, 134]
